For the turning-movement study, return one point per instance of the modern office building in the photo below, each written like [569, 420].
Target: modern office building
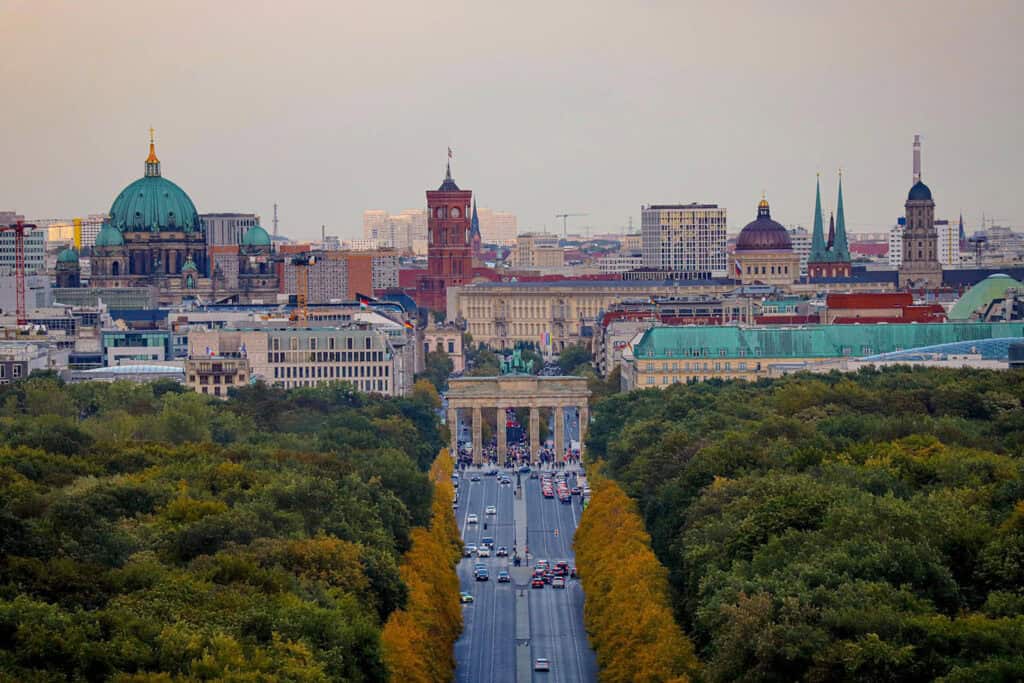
[801, 241]
[35, 252]
[685, 241]
[498, 227]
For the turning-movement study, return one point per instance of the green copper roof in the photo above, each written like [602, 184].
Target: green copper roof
[67, 256]
[109, 236]
[840, 249]
[256, 237]
[817, 341]
[819, 252]
[982, 294]
[153, 203]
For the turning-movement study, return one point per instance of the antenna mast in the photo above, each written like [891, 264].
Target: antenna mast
[275, 219]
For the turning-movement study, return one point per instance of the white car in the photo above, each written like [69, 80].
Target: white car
[491, 510]
[483, 551]
[472, 519]
[541, 664]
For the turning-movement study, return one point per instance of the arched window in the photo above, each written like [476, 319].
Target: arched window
[115, 269]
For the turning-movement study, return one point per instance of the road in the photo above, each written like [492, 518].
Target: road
[486, 649]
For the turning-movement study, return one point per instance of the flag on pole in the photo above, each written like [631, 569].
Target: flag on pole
[739, 269]
[409, 325]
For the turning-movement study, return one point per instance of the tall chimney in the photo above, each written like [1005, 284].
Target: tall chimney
[917, 159]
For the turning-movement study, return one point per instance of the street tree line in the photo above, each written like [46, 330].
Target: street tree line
[153, 534]
[829, 528]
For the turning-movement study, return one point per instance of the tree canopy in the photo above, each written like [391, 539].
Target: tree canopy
[151, 534]
[840, 527]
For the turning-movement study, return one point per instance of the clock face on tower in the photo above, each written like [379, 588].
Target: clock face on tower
[455, 213]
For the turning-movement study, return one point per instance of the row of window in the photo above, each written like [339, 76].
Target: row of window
[368, 385]
[706, 366]
[332, 371]
[15, 370]
[325, 357]
[763, 272]
[313, 343]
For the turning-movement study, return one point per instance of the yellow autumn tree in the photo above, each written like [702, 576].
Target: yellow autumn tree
[418, 642]
[627, 611]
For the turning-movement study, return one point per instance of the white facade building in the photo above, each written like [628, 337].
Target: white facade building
[801, 240]
[896, 244]
[619, 263]
[948, 242]
[685, 238]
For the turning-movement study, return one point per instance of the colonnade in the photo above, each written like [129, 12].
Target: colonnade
[581, 410]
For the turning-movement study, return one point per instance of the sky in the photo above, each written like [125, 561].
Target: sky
[330, 108]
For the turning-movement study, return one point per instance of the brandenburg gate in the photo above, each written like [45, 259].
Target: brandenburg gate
[517, 391]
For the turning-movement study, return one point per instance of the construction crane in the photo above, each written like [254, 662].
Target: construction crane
[19, 229]
[302, 262]
[565, 217]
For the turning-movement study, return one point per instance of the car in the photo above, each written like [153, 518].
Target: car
[475, 477]
[491, 473]
[465, 597]
[468, 550]
[548, 576]
[525, 469]
[558, 582]
[576, 490]
[482, 575]
[501, 552]
[537, 583]
[562, 567]
[487, 541]
[541, 664]
[455, 505]
[472, 519]
[503, 577]
[491, 510]
[479, 567]
[483, 551]
[542, 564]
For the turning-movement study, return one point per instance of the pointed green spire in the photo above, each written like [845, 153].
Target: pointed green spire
[841, 250]
[818, 249]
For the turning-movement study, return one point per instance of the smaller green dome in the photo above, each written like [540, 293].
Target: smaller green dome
[109, 236]
[256, 237]
[189, 265]
[67, 256]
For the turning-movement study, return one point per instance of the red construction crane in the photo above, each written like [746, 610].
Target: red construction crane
[19, 229]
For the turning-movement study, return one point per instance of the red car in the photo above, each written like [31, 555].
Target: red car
[537, 583]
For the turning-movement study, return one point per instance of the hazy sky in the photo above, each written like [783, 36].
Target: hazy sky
[330, 108]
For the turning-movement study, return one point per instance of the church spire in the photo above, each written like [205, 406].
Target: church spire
[818, 247]
[831, 233]
[474, 225]
[152, 163]
[840, 247]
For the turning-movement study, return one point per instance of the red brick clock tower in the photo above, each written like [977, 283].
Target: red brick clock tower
[449, 250]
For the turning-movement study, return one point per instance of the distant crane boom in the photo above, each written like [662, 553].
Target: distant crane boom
[565, 218]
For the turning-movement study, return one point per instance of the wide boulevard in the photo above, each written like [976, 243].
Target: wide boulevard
[493, 646]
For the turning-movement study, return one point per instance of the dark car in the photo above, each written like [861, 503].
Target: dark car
[475, 477]
[537, 583]
[503, 577]
[491, 473]
[482, 575]
[501, 552]
[576, 490]
[524, 469]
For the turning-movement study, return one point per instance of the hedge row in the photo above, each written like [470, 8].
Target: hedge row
[419, 641]
[626, 612]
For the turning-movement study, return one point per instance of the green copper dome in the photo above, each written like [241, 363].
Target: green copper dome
[256, 237]
[153, 203]
[67, 256]
[109, 236]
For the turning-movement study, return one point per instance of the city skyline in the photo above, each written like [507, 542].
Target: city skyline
[707, 105]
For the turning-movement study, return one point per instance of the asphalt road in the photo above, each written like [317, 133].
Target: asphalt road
[486, 650]
[556, 616]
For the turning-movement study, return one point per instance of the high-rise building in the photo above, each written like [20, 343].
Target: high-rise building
[227, 228]
[896, 242]
[920, 268]
[35, 251]
[374, 222]
[801, 240]
[685, 241]
[449, 254]
[498, 227]
[948, 242]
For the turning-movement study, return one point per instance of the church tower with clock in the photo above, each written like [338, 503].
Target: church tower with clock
[449, 249]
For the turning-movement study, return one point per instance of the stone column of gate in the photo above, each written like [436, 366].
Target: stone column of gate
[559, 433]
[499, 424]
[478, 439]
[584, 423]
[534, 435]
[453, 428]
